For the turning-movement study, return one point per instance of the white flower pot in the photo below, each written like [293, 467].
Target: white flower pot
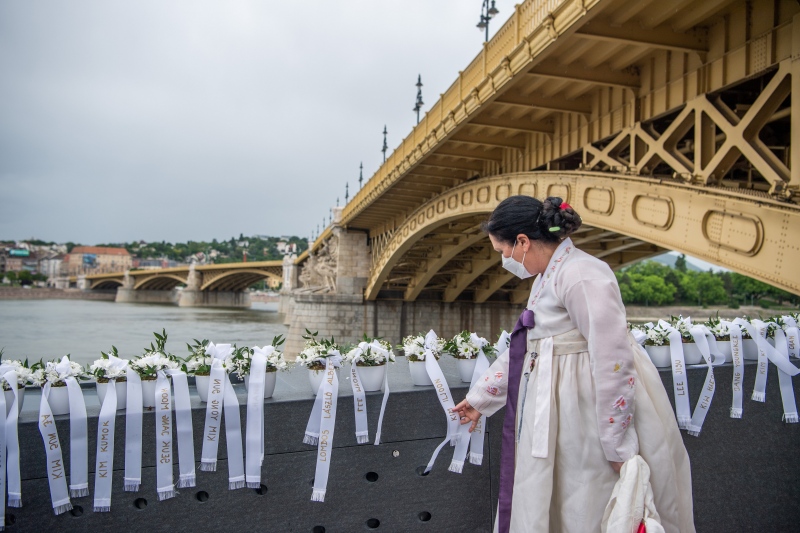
[691, 354]
[659, 355]
[201, 382]
[149, 393]
[372, 377]
[419, 376]
[10, 398]
[466, 367]
[59, 400]
[750, 349]
[269, 383]
[122, 393]
[724, 348]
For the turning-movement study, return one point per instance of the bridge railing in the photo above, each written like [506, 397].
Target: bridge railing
[527, 17]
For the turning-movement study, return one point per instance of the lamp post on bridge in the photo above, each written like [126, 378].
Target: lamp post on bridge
[385, 146]
[419, 102]
[360, 175]
[346, 192]
[487, 12]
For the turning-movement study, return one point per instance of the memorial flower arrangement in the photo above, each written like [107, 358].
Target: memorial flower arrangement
[682, 325]
[316, 351]
[414, 347]
[655, 335]
[464, 346]
[198, 363]
[367, 355]
[154, 359]
[239, 362]
[105, 368]
[718, 328]
[56, 372]
[23, 370]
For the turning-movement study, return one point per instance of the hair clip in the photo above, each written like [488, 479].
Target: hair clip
[564, 205]
[555, 229]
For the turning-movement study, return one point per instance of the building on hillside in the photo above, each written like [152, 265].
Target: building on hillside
[286, 248]
[97, 260]
[51, 267]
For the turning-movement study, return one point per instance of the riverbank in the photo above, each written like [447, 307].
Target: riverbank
[38, 293]
[640, 313]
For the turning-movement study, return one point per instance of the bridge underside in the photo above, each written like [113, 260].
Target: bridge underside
[667, 124]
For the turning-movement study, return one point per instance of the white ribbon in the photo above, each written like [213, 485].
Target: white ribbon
[679, 382]
[254, 442]
[165, 485]
[737, 355]
[105, 450]
[78, 434]
[359, 395]
[183, 423]
[707, 344]
[474, 440]
[792, 336]
[14, 483]
[56, 474]
[222, 398]
[444, 396]
[106, 424]
[133, 432]
[325, 421]
[785, 380]
[760, 387]
[12, 384]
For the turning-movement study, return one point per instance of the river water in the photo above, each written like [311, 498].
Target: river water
[49, 329]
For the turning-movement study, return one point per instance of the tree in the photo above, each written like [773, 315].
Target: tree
[747, 287]
[680, 263]
[705, 288]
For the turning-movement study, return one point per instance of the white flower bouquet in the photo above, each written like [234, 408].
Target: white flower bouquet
[316, 351]
[239, 362]
[414, 347]
[155, 358]
[198, 363]
[106, 368]
[466, 345]
[56, 372]
[366, 355]
[23, 370]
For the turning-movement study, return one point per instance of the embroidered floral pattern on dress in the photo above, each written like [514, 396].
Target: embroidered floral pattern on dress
[611, 420]
[621, 404]
[631, 382]
[498, 376]
[626, 422]
[491, 389]
[618, 366]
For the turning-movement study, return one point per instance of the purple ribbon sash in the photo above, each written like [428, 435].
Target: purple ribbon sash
[516, 356]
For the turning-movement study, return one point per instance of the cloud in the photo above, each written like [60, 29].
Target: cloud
[199, 119]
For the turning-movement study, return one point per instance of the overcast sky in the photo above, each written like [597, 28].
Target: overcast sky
[192, 120]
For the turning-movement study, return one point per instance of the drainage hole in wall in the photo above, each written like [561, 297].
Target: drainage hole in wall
[202, 496]
[421, 471]
[140, 503]
[261, 490]
[373, 523]
[372, 477]
[318, 529]
[11, 519]
[424, 516]
[76, 511]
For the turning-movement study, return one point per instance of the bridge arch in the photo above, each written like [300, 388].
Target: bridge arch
[101, 284]
[237, 280]
[627, 218]
[159, 282]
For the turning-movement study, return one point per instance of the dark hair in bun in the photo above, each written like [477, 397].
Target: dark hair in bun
[540, 221]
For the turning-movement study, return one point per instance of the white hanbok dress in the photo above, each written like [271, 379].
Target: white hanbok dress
[606, 403]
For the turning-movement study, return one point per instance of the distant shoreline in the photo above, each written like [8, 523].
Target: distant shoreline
[18, 293]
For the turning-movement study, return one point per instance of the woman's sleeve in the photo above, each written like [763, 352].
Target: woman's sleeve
[594, 303]
[489, 393]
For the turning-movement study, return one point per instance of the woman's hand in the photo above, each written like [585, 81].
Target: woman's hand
[616, 466]
[467, 413]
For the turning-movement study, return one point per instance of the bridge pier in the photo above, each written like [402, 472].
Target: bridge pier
[196, 298]
[144, 296]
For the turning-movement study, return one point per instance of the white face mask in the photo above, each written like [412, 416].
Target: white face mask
[514, 266]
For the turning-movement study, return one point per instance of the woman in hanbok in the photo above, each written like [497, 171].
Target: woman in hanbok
[587, 398]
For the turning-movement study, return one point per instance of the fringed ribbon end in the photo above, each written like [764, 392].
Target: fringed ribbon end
[759, 396]
[790, 418]
[103, 509]
[694, 431]
[234, 485]
[683, 422]
[362, 438]
[208, 465]
[61, 509]
[14, 502]
[186, 481]
[313, 440]
[736, 413]
[254, 484]
[131, 486]
[318, 495]
[476, 458]
[166, 494]
[78, 492]
[456, 466]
